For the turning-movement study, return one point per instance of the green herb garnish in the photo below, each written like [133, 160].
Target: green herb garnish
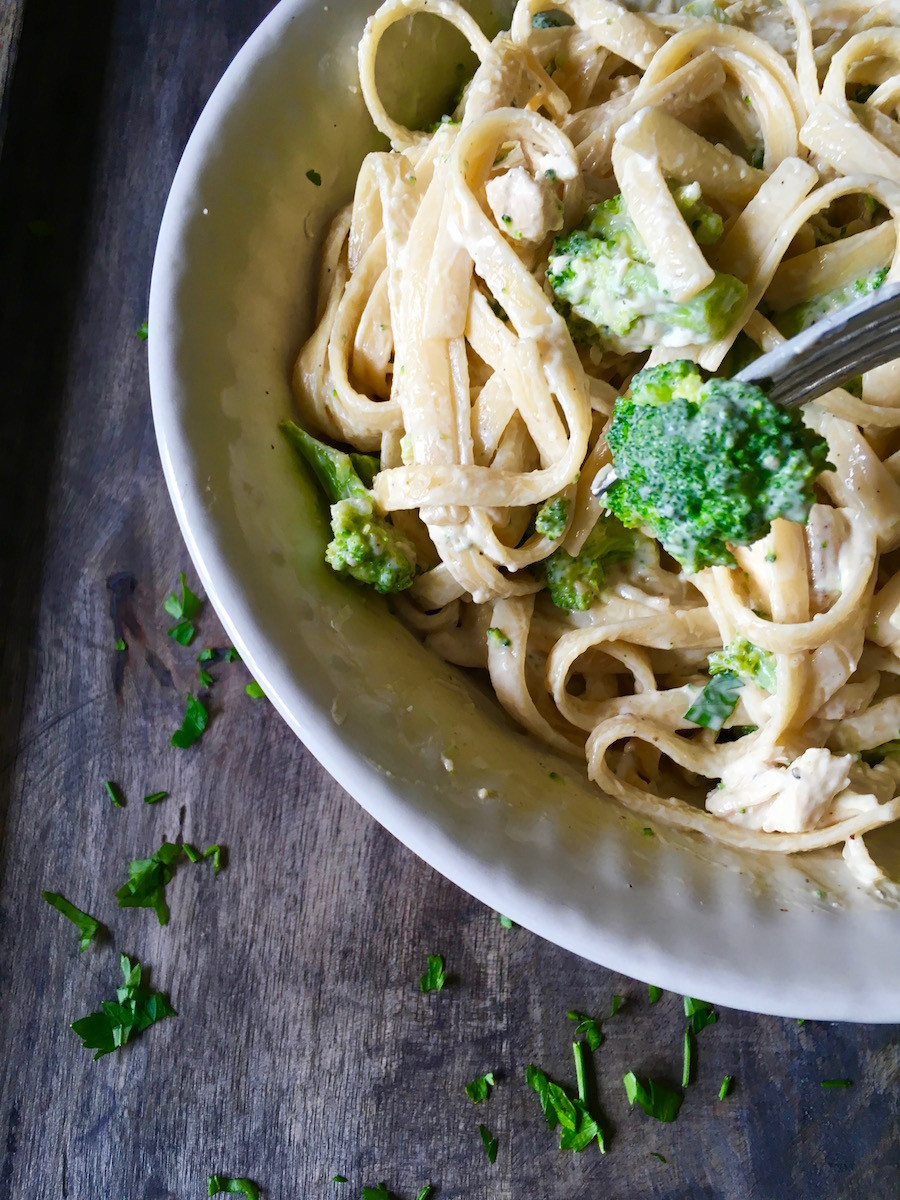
[120, 644]
[655, 1098]
[425, 1192]
[207, 654]
[88, 925]
[193, 725]
[115, 793]
[479, 1088]
[254, 690]
[155, 797]
[147, 879]
[653, 992]
[376, 1193]
[339, 1179]
[142, 331]
[700, 1012]
[314, 177]
[231, 655]
[589, 1026]
[686, 1063]
[183, 633]
[715, 704]
[216, 851]
[182, 609]
[218, 1184]
[205, 678]
[506, 922]
[435, 977]
[837, 1083]
[135, 1009]
[726, 1085]
[578, 1127]
[489, 1143]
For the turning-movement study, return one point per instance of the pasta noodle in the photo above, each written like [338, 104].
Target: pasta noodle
[439, 347]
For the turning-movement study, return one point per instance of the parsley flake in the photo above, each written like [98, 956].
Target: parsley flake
[589, 1026]
[183, 632]
[88, 925]
[205, 678]
[193, 724]
[155, 797]
[339, 1179]
[142, 331]
[837, 1083]
[192, 853]
[616, 1005]
[726, 1086]
[506, 922]
[314, 177]
[376, 1193]
[147, 879]
[425, 1192]
[254, 691]
[231, 655]
[686, 1064]
[435, 977]
[654, 1154]
[489, 1143]
[715, 704]
[216, 851]
[207, 654]
[184, 608]
[120, 644]
[655, 1099]
[234, 1187]
[653, 992]
[479, 1088]
[577, 1127]
[115, 793]
[700, 1012]
[135, 1009]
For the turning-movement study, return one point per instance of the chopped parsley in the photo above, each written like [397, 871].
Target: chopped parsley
[254, 691]
[506, 922]
[231, 655]
[314, 177]
[339, 1179]
[589, 1026]
[207, 654]
[489, 1143]
[425, 1192]
[700, 1012]
[726, 1086]
[142, 331]
[686, 1062]
[216, 851]
[217, 1184]
[120, 644]
[435, 977]
[577, 1127]
[88, 925]
[155, 797]
[837, 1083]
[497, 637]
[134, 1009]
[615, 1006]
[716, 702]
[376, 1193]
[656, 1099]
[193, 725]
[182, 609]
[147, 879]
[205, 678]
[653, 992]
[479, 1088]
[115, 793]
[655, 1154]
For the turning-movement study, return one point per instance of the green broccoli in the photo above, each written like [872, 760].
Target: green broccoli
[551, 518]
[607, 289]
[800, 316]
[704, 465]
[365, 545]
[576, 581]
[748, 662]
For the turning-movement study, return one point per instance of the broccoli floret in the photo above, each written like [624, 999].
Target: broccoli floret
[748, 662]
[800, 316]
[704, 465]
[607, 289]
[576, 581]
[365, 545]
[551, 518]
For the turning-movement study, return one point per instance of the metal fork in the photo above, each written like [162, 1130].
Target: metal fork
[854, 339]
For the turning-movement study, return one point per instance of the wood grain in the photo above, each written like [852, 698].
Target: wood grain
[303, 1047]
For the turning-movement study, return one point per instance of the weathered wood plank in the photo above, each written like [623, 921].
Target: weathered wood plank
[303, 1046]
[10, 27]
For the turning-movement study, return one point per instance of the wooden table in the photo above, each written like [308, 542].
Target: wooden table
[303, 1047]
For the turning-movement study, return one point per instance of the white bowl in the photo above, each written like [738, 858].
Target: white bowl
[419, 746]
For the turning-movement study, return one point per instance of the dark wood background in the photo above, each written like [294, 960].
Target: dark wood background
[303, 1047]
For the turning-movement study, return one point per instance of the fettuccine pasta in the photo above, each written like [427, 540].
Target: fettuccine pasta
[441, 347]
